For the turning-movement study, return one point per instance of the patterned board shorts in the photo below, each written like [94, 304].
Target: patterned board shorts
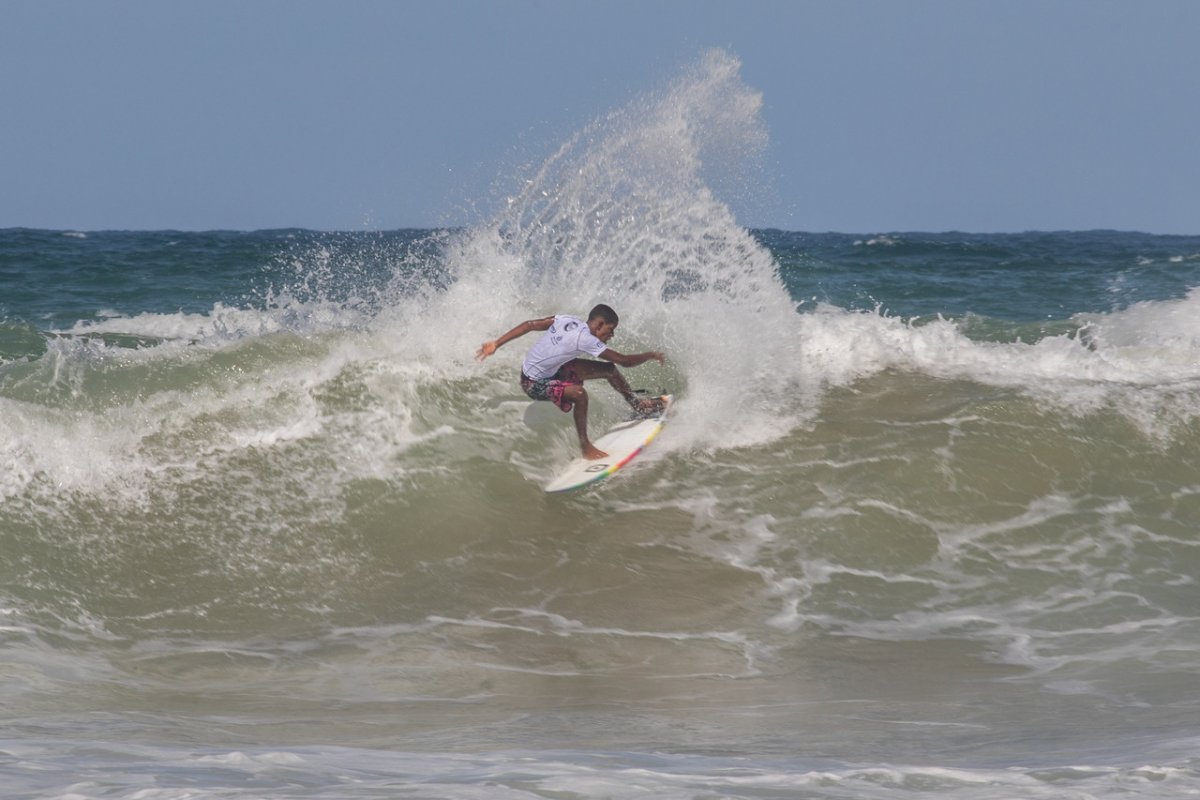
[552, 388]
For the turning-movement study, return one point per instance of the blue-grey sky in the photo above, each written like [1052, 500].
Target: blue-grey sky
[922, 115]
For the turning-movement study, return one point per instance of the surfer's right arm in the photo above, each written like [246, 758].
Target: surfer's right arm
[488, 348]
[632, 360]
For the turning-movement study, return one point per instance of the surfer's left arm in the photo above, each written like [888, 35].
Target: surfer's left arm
[488, 348]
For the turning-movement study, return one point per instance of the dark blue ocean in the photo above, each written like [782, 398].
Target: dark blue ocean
[924, 522]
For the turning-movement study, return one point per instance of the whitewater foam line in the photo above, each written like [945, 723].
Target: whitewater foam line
[1123, 361]
[216, 401]
[222, 324]
[562, 626]
[38, 768]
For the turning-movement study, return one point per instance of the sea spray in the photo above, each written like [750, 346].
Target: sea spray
[624, 213]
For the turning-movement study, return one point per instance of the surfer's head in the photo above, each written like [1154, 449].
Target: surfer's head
[605, 313]
[602, 321]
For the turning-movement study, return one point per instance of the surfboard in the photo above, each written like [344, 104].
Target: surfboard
[622, 442]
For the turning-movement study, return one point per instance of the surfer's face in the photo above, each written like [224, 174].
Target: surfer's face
[602, 330]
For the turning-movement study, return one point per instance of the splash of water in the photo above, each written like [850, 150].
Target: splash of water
[625, 213]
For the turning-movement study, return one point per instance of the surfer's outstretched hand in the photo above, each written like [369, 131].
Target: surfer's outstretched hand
[486, 349]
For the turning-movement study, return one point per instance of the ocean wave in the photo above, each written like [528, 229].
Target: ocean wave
[306, 500]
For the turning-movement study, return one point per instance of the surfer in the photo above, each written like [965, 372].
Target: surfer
[554, 370]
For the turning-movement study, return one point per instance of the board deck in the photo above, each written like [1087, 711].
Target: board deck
[622, 442]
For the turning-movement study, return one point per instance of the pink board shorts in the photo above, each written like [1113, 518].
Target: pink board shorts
[552, 388]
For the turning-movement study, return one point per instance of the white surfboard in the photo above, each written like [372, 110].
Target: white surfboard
[622, 443]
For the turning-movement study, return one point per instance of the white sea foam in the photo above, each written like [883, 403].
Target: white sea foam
[1143, 362]
[38, 768]
[223, 323]
[623, 214]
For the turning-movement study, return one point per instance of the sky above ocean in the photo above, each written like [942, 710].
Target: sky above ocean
[926, 115]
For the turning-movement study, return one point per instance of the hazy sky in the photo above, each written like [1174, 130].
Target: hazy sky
[926, 115]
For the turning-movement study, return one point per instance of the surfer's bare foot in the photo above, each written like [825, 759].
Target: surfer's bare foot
[649, 406]
[592, 453]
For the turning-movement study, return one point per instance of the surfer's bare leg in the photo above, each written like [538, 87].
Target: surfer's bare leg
[578, 395]
[593, 370]
[597, 370]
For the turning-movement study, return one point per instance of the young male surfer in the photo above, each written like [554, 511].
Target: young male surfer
[554, 371]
